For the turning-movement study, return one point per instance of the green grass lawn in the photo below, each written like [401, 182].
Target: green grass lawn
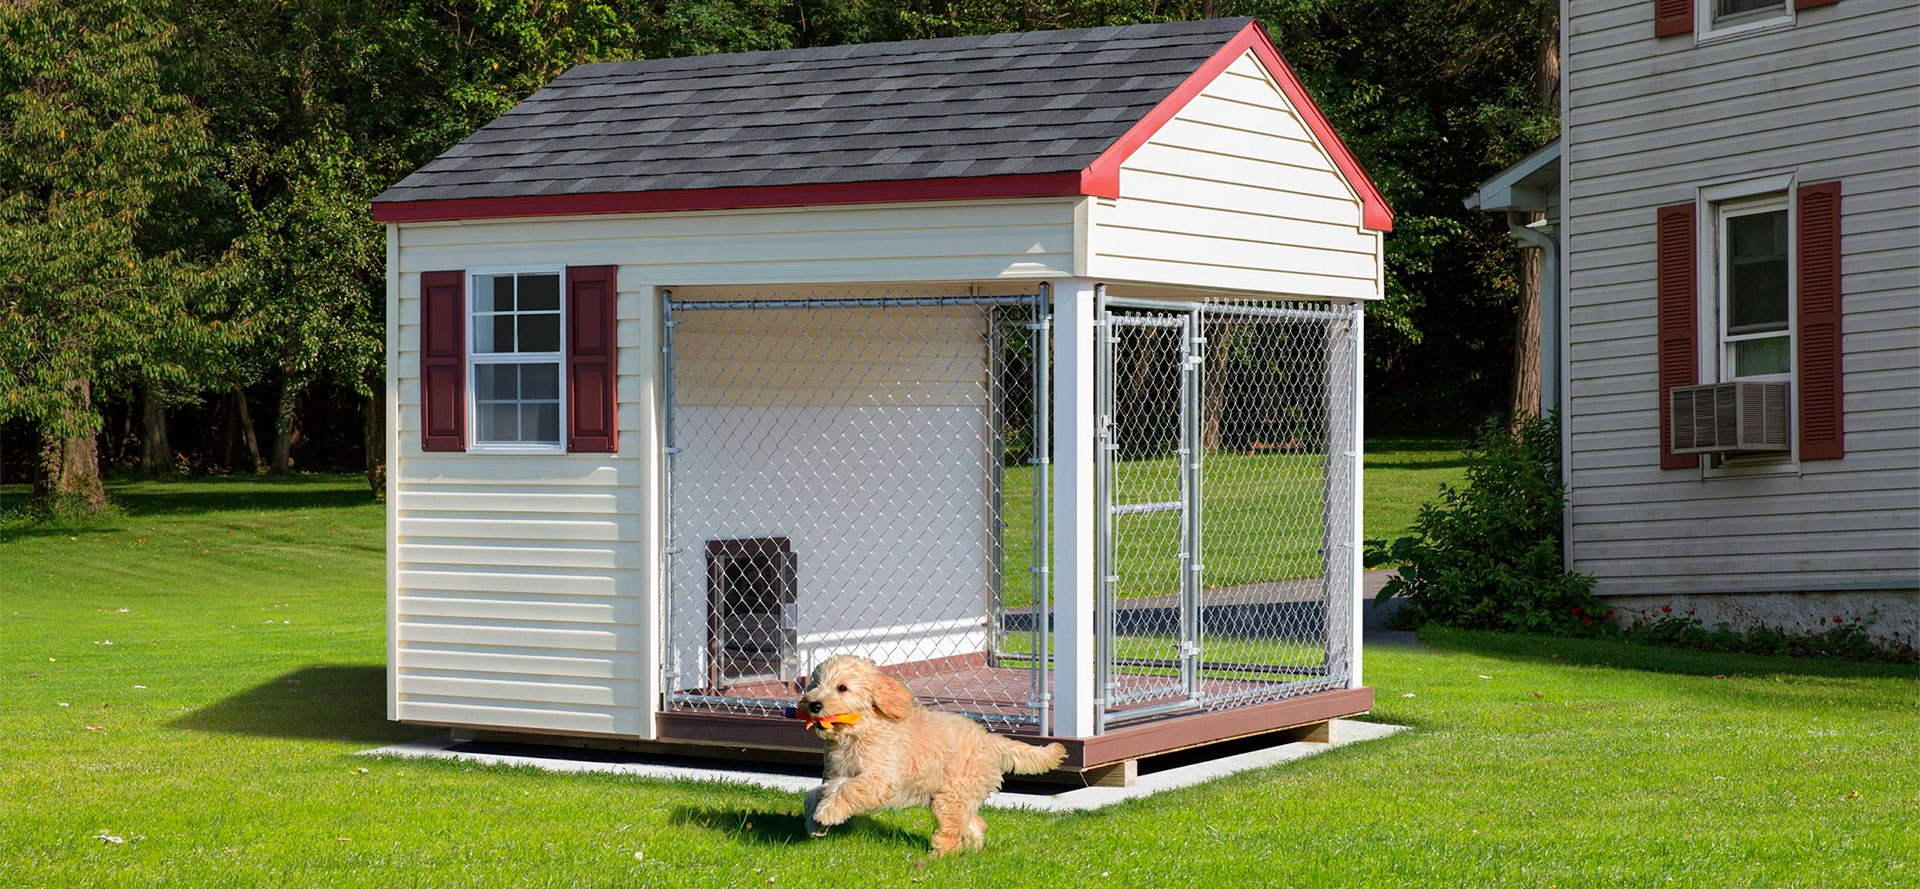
[215, 736]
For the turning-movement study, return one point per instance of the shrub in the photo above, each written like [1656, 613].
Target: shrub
[1849, 641]
[1487, 555]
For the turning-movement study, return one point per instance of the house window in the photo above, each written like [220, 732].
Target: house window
[1726, 12]
[1755, 299]
[516, 360]
[1725, 18]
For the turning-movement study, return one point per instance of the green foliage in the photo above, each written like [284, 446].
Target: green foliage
[1845, 640]
[1487, 555]
[90, 145]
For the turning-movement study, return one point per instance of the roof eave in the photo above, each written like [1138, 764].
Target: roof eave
[1035, 185]
[1522, 186]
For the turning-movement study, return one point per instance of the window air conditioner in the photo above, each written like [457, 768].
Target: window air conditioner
[1729, 418]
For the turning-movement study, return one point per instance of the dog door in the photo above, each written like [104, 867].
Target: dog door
[752, 619]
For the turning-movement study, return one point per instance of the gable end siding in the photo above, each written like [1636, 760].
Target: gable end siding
[1234, 192]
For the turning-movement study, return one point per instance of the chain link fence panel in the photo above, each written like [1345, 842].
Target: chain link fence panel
[858, 474]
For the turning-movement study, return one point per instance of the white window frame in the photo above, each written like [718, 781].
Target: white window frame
[1706, 32]
[476, 358]
[1750, 194]
[1723, 340]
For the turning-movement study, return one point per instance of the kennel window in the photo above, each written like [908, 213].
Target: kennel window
[752, 619]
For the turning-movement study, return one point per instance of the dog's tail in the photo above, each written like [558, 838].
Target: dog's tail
[1029, 759]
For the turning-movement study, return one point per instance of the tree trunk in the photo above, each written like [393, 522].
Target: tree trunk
[244, 423]
[1213, 397]
[1523, 394]
[1524, 389]
[69, 479]
[156, 453]
[373, 417]
[284, 419]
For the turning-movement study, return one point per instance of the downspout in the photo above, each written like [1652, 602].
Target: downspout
[1552, 388]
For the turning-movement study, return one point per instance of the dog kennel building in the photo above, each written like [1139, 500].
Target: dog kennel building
[1027, 365]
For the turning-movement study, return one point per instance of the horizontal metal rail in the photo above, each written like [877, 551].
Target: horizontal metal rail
[1147, 321]
[1213, 308]
[1138, 508]
[772, 704]
[877, 302]
[1223, 666]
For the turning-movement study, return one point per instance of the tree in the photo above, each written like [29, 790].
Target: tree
[89, 147]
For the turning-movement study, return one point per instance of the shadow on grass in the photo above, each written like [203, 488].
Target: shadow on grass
[241, 494]
[190, 497]
[321, 702]
[1650, 658]
[784, 828]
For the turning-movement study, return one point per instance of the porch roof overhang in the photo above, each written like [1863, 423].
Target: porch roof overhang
[1522, 186]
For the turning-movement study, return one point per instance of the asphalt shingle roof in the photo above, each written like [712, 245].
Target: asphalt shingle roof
[1041, 102]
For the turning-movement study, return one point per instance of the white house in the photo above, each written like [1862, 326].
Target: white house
[1735, 196]
[703, 369]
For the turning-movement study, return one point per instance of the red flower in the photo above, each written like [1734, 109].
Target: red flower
[1666, 609]
[1689, 612]
[1576, 610]
[1836, 618]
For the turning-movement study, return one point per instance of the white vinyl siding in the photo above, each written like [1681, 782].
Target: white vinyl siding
[525, 586]
[1651, 123]
[1235, 193]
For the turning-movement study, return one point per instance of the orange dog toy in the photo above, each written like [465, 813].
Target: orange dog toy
[817, 721]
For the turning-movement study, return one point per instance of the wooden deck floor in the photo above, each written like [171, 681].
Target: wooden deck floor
[973, 686]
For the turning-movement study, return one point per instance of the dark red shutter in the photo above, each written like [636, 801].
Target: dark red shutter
[1822, 414]
[1672, 17]
[593, 416]
[443, 361]
[1675, 279]
[1809, 4]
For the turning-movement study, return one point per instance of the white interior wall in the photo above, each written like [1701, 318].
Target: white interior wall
[859, 435]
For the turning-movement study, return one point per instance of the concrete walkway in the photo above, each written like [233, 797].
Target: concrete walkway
[1374, 628]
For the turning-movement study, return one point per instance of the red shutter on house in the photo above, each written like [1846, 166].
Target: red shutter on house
[1672, 17]
[443, 361]
[1675, 285]
[1822, 426]
[593, 423]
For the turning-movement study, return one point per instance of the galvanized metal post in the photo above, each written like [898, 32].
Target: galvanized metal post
[669, 653]
[1041, 459]
[1193, 449]
[996, 423]
[1356, 391]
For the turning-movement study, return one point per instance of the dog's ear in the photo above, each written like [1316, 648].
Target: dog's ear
[891, 697]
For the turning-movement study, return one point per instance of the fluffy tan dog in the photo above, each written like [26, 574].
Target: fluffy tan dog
[899, 754]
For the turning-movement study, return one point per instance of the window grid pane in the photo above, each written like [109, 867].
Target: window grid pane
[517, 313]
[517, 403]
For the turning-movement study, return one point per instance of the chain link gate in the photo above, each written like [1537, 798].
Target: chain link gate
[1224, 518]
[857, 474]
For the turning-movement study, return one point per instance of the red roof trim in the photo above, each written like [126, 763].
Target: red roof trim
[1102, 178]
[952, 189]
